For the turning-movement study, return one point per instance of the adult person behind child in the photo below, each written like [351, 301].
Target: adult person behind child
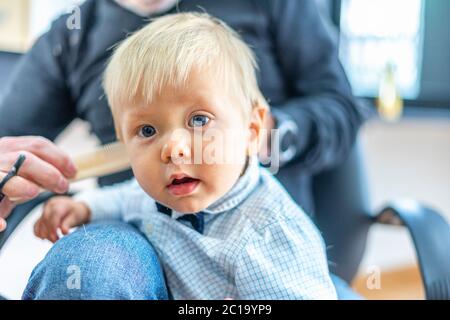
[59, 79]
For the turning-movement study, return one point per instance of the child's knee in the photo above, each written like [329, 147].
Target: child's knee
[101, 261]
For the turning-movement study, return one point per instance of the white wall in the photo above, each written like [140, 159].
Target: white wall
[409, 159]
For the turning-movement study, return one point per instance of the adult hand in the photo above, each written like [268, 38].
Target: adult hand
[46, 166]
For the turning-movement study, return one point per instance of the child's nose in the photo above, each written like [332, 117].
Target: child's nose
[178, 151]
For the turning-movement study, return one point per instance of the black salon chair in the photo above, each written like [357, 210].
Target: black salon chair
[343, 215]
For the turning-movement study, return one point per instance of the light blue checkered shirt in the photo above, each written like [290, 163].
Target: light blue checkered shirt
[257, 243]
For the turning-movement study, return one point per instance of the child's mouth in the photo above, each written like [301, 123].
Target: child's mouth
[183, 186]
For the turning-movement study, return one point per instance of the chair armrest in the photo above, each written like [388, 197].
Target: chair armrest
[431, 236]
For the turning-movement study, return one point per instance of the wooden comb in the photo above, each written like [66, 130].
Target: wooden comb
[108, 159]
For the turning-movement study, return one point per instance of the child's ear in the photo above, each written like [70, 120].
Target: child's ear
[256, 126]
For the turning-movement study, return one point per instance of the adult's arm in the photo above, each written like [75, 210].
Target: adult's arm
[321, 102]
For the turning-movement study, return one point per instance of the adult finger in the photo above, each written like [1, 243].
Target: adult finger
[36, 170]
[2, 224]
[19, 188]
[42, 148]
[6, 206]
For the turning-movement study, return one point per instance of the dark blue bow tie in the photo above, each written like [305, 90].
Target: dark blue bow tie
[197, 220]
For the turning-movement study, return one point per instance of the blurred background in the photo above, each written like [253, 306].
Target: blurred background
[397, 57]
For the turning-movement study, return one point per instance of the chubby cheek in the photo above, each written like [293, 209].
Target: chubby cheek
[146, 171]
[218, 179]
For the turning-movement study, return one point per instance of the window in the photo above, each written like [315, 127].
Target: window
[375, 34]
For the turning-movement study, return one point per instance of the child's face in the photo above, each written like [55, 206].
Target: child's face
[189, 146]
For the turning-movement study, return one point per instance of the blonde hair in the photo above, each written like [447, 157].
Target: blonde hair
[165, 52]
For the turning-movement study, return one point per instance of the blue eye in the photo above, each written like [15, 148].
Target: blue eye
[146, 131]
[198, 121]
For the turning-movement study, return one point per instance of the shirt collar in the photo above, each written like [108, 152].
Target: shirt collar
[238, 193]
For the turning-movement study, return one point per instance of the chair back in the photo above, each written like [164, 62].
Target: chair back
[342, 213]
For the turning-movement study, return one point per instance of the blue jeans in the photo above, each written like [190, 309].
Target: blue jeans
[100, 261]
[110, 260]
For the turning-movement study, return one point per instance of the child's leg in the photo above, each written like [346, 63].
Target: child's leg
[100, 261]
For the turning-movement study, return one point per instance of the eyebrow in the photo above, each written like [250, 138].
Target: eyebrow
[138, 111]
